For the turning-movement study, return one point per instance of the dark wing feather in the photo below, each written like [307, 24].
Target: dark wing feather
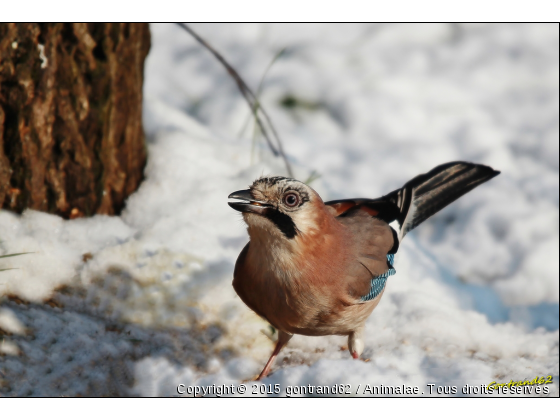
[421, 197]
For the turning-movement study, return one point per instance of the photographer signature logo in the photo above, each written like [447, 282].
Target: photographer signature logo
[535, 382]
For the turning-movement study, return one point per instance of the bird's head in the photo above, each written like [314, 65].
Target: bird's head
[279, 206]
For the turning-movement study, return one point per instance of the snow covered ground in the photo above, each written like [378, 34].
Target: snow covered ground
[140, 303]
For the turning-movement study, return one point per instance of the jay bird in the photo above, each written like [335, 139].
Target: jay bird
[316, 268]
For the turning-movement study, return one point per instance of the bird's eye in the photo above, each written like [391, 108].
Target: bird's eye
[291, 200]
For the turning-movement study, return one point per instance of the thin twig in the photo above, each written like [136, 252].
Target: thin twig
[251, 99]
[258, 96]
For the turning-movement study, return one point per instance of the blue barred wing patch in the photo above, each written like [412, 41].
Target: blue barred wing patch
[378, 283]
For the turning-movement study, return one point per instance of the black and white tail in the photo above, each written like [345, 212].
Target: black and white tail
[426, 194]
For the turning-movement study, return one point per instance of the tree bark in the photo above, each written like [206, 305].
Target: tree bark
[71, 137]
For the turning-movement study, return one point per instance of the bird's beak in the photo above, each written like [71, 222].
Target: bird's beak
[249, 204]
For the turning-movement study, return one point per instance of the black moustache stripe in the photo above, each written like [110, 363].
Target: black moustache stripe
[282, 222]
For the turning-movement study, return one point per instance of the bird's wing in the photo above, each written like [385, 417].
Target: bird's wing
[368, 219]
[422, 196]
[372, 240]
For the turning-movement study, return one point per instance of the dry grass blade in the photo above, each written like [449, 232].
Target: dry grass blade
[251, 99]
[12, 255]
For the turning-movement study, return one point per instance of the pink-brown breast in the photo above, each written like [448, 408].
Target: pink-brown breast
[307, 288]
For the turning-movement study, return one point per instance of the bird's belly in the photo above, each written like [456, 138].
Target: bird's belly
[304, 312]
[339, 319]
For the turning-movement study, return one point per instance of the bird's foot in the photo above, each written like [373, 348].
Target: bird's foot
[355, 355]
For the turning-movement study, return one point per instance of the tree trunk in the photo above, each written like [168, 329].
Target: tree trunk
[71, 138]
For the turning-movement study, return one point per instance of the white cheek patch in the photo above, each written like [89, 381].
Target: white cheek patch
[305, 220]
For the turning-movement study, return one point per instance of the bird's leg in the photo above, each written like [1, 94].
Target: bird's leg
[283, 338]
[356, 343]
